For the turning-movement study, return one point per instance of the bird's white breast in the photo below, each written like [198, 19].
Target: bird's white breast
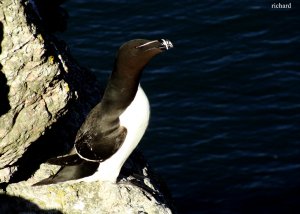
[135, 119]
[136, 116]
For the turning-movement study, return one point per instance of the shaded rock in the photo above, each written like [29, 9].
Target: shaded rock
[13, 204]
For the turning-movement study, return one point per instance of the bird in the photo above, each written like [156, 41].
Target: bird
[115, 126]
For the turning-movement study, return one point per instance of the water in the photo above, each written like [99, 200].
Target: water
[225, 126]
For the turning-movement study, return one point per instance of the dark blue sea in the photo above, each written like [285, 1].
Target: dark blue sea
[225, 126]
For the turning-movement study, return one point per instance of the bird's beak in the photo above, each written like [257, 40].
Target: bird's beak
[162, 44]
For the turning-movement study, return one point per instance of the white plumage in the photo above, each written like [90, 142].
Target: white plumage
[135, 119]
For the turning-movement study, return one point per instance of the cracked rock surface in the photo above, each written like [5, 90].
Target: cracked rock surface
[41, 88]
[38, 94]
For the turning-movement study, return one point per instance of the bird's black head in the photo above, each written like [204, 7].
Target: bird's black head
[135, 54]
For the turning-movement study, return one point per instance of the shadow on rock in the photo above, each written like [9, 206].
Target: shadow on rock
[4, 89]
[52, 16]
[12, 204]
[134, 167]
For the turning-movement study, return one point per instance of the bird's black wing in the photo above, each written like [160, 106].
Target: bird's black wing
[66, 160]
[98, 147]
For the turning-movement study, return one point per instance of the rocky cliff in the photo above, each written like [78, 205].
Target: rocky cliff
[44, 97]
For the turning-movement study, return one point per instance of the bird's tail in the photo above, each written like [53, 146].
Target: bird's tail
[69, 172]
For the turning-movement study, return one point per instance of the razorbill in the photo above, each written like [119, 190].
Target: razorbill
[115, 126]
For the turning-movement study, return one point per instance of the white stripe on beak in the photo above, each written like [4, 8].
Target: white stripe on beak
[147, 43]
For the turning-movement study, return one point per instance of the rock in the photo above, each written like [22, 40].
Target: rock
[38, 95]
[95, 197]
[39, 81]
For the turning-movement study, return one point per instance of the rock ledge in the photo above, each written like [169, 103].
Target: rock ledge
[83, 197]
